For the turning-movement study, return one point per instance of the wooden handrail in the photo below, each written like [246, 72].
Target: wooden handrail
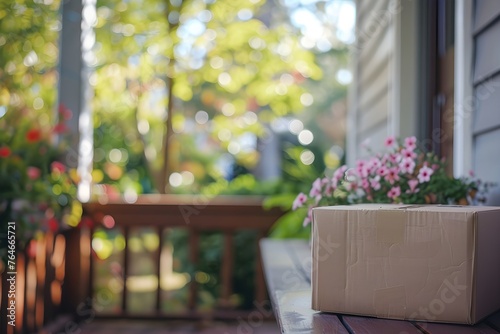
[196, 214]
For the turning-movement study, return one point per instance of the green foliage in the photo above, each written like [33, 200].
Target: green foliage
[36, 190]
[242, 72]
[28, 57]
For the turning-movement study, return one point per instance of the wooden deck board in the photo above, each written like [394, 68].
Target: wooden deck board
[287, 267]
[433, 328]
[363, 325]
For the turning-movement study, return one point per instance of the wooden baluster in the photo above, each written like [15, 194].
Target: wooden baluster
[91, 264]
[49, 278]
[194, 244]
[158, 268]
[3, 299]
[126, 262]
[227, 269]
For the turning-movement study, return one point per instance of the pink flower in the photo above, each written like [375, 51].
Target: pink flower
[394, 192]
[395, 158]
[308, 219]
[373, 165]
[365, 184]
[339, 173]
[382, 171]
[424, 174]
[56, 166]
[390, 141]
[362, 168]
[329, 188]
[299, 201]
[471, 173]
[407, 153]
[375, 183]
[410, 143]
[33, 172]
[334, 183]
[316, 188]
[413, 187]
[392, 175]
[407, 165]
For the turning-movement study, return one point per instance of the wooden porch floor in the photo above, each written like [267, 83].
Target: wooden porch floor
[178, 327]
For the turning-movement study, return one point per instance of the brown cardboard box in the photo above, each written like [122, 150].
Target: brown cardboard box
[430, 263]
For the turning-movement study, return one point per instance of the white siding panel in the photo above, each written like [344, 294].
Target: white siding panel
[487, 60]
[486, 11]
[374, 64]
[374, 18]
[375, 114]
[487, 114]
[487, 156]
[371, 60]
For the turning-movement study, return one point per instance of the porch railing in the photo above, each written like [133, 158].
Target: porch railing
[196, 215]
[55, 274]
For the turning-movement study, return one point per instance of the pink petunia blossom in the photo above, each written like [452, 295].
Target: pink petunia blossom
[375, 183]
[392, 175]
[373, 164]
[411, 143]
[334, 183]
[406, 153]
[327, 184]
[365, 184]
[394, 192]
[407, 165]
[309, 218]
[382, 171]
[362, 168]
[395, 158]
[33, 172]
[316, 188]
[424, 174]
[390, 141]
[339, 173]
[413, 183]
[299, 201]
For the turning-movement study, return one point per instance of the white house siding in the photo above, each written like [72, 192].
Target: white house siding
[486, 88]
[378, 62]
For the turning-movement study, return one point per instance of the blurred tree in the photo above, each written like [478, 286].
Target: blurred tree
[28, 60]
[166, 70]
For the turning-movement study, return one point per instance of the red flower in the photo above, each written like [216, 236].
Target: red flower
[60, 128]
[56, 166]
[53, 224]
[33, 173]
[4, 152]
[33, 135]
[65, 112]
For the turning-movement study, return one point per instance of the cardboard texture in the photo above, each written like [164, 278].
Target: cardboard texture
[430, 263]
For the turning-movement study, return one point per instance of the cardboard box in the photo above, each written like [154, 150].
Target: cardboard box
[431, 263]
